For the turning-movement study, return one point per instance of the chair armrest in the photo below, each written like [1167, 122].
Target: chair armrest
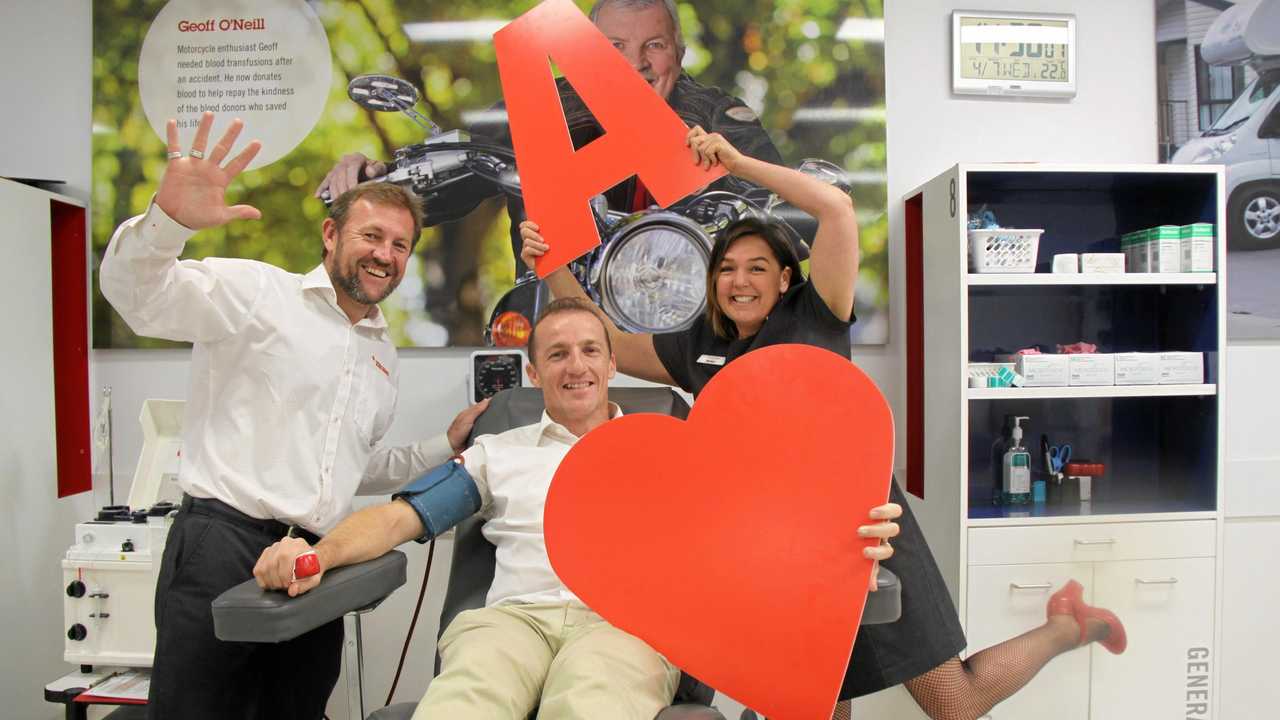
[885, 604]
[247, 613]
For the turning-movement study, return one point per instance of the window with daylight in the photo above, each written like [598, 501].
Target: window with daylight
[1216, 87]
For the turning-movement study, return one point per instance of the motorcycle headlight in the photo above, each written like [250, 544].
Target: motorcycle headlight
[652, 274]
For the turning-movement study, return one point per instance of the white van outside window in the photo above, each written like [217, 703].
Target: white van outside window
[1246, 137]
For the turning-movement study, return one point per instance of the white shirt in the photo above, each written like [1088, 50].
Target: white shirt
[288, 399]
[513, 471]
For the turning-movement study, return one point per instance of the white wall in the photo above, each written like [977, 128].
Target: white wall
[35, 524]
[1112, 119]
[45, 51]
[1251, 535]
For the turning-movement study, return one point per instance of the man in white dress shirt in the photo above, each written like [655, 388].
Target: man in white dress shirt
[534, 644]
[293, 384]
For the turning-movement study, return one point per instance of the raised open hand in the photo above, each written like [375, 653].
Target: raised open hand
[193, 188]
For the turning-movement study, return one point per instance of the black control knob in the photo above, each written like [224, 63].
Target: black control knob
[126, 546]
[75, 589]
[114, 512]
[77, 632]
[161, 509]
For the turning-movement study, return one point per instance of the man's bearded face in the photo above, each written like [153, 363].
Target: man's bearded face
[367, 255]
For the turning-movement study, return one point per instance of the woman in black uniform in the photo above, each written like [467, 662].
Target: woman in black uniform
[757, 296]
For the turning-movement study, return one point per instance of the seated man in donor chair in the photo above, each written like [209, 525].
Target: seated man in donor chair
[534, 644]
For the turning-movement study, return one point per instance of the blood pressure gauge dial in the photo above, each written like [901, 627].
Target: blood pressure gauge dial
[494, 371]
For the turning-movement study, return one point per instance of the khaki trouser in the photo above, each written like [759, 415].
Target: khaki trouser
[503, 661]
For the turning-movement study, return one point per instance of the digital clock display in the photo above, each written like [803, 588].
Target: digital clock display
[1014, 51]
[998, 53]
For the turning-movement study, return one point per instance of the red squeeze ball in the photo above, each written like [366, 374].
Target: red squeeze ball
[306, 565]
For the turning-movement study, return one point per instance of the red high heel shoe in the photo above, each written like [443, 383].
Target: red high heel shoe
[1070, 601]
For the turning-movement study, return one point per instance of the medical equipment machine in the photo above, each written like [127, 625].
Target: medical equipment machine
[109, 573]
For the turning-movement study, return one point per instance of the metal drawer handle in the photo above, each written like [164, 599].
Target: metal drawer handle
[1030, 586]
[1157, 581]
[1103, 541]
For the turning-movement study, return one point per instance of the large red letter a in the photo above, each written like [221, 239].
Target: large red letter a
[643, 136]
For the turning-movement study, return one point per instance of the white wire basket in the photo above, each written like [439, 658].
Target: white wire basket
[1003, 250]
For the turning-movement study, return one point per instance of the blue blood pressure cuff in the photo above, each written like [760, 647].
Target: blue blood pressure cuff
[443, 497]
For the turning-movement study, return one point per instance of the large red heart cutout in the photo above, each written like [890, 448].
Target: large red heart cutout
[729, 541]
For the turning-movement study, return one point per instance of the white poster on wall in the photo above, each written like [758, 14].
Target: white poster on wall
[264, 61]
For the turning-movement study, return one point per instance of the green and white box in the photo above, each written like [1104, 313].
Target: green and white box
[1142, 251]
[1129, 246]
[1197, 247]
[1139, 258]
[1164, 249]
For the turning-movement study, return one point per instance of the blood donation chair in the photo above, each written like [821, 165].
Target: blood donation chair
[246, 613]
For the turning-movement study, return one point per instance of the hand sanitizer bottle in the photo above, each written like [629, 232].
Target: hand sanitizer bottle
[1016, 469]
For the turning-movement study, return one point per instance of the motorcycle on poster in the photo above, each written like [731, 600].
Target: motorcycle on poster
[649, 271]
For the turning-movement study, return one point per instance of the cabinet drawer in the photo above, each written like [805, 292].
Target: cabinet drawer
[1090, 542]
[1005, 601]
[1167, 609]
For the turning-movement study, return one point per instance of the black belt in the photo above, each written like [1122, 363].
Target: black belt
[223, 511]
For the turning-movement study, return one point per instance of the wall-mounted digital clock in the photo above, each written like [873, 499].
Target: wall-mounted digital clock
[1020, 54]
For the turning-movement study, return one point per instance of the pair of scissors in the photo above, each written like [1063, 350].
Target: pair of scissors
[1059, 456]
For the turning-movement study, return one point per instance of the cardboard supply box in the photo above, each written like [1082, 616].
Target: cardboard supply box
[1137, 368]
[1113, 263]
[1091, 369]
[1181, 368]
[1039, 370]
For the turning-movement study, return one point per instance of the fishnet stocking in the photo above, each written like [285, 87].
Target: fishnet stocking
[967, 689]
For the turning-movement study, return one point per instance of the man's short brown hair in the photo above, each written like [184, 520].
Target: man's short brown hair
[378, 193]
[564, 305]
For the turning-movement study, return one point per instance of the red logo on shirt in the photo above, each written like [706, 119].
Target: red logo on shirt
[380, 366]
